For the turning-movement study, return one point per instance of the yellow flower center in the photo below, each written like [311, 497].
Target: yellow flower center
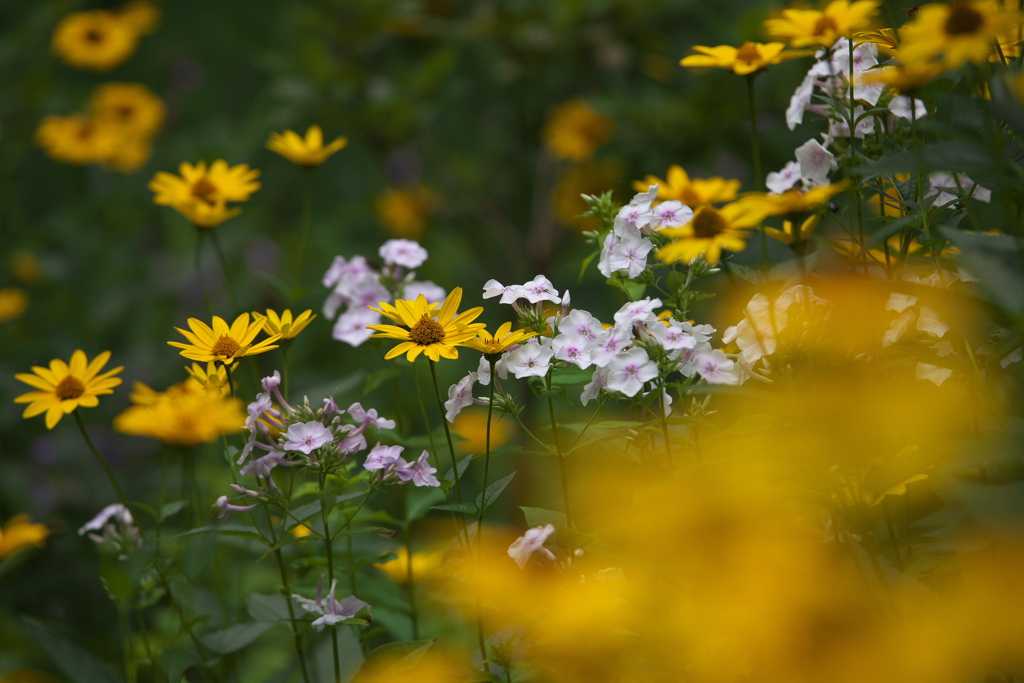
[203, 188]
[708, 223]
[963, 20]
[824, 26]
[748, 53]
[225, 346]
[124, 112]
[93, 36]
[69, 388]
[426, 332]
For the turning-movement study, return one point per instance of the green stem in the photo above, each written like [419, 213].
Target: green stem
[447, 433]
[329, 541]
[126, 640]
[284, 354]
[288, 599]
[664, 421]
[426, 419]
[307, 215]
[200, 234]
[560, 455]
[103, 461]
[487, 454]
[755, 142]
[224, 266]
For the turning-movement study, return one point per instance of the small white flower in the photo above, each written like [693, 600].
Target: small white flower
[628, 371]
[332, 610]
[493, 288]
[529, 360]
[779, 182]
[816, 162]
[460, 395]
[382, 457]
[933, 373]
[539, 289]
[608, 344]
[673, 336]
[306, 437]
[351, 326]
[593, 388]
[359, 414]
[945, 190]
[672, 214]
[629, 256]
[531, 542]
[581, 322]
[433, 293]
[900, 107]
[420, 473]
[572, 348]
[716, 368]
[401, 252]
[637, 312]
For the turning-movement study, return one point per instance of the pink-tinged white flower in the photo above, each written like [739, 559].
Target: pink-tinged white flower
[800, 100]
[483, 370]
[399, 252]
[898, 328]
[673, 336]
[531, 542]
[332, 611]
[629, 256]
[899, 302]
[839, 128]
[115, 525]
[631, 218]
[508, 293]
[672, 214]
[628, 371]
[933, 373]
[641, 311]
[779, 182]
[382, 457]
[716, 368]
[928, 321]
[609, 344]
[306, 437]
[341, 269]
[1014, 357]
[221, 508]
[581, 322]
[607, 247]
[539, 289]
[460, 395]
[529, 360]
[433, 293]
[261, 467]
[763, 320]
[363, 416]
[419, 472]
[592, 389]
[900, 107]
[572, 348]
[816, 162]
[351, 326]
[945, 188]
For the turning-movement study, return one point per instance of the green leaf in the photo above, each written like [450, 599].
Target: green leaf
[234, 638]
[493, 491]
[392, 659]
[464, 507]
[272, 608]
[172, 508]
[993, 260]
[419, 500]
[176, 660]
[74, 662]
[378, 377]
[226, 529]
[541, 517]
[462, 465]
[116, 581]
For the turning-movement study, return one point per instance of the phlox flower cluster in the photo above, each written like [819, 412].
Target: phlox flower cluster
[331, 610]
[626, 247]
[356, 283]
[387, 462]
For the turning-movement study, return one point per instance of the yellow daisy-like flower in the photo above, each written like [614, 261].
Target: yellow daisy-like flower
[709, 232]
[905, 77]
[213, 378]
[20, 533]
[502, 340]
[693, 192]
[221, 343]
[305, 152]
[141, 15]
[957, 33]
[404, 211]
[201, 193]
[13, 302]
[745, 59]
[792, 233]
[130, 107]
[63, 387]
[76, 139]
[284, 325]
[428, 330]
[794, 200]
[185, 415]
[887, 40]
[96, 39]
[422, 564]
[574, 131]
[806, 27]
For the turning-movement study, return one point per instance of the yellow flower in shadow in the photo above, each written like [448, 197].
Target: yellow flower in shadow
[201, 193]
[308, 151]
[743, 60]
[97, 40]
[62, 387]
[574, 131]
[187, 414]
[807, 27]
[956, 33]
[284, 325]
[398, 568]
[20, 533]
[13, 303]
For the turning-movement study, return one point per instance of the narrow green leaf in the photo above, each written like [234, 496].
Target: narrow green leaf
[234, 638]
[493, 491]
[464, 507]
[541, 517]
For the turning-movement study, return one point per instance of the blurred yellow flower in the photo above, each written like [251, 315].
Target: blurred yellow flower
[905, 77]
[130, 107]
[213, 378]
[201, 193]
[957, 33]
[693, 192]
[141, 15]
[20, 533]
[76, 139]
[96, 39]
[428, 330]
[25, 266]
[422, 565]
[61, 388]
[503, 339]
[13, 302]
[791, 233]
[471, 425]
[404, 211]
[130, 154]
[806, 27]
[185, 415]
[794, 200]
[305, 152]
[886, 39]
[743, 60]
[709, 232]
[574, 131]
[221, 343]
[283, 325]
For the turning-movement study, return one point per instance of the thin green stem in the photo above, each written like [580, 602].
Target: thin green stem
[447, 433]
[487, 455]
[224, 266]
[755, 143]
[558, 452]
[329, 541]
[126, 640]
[284, 354]
[103, 461]
[200, 234]
[426, 418]
[307, 215]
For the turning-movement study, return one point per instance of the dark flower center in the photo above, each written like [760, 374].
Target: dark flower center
[426, 332]
[748, 53]
[825, 25]
[708, 223]
[69, 388]
[93, 36]
[225, 346]
[203, 188]
[124, 112]
[963, 20]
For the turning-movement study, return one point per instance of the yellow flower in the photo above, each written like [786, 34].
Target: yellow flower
[794, 200]
[574, 131]
[434, 333]
[960, 32]
[502, 340]
[130, 154]
[745, 59]
[471, 425]
[141, 15]
[201, 194]
[422, 565]
[693, 192]
[96, 39]
[129, 107]
[404, 211]
[709, 232]
[13, 302]
[213, 378]
[791, 234]
[62, 387]
[283, 325]
[20, 533]
[905, 77]
[805, 27]
[75, 139]
[185, 415]
[304, 152]
[222, 343]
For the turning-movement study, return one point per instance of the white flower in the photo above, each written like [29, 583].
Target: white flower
[433, 293]
[593, 388]
[581, 322]
[493, 288]
[359, 414]
[539, 289]
[716, 368]
[816, 162]
[933, 373]
[637, 312]
[115, 524]
[528, 360]
[332, 610]
[572, 348]
[531, 542]
[900, 106]
[382, 457]
[604, 261]
[800, 100]
[608, 344]
[306, 437]
[839, 128]
[420, 473]
[785, 179]
[483, 370]
[899, 302]
[672, 214]
[403, 253]
[897, 328]
[628, 371]
[673, 336]
[460, 395]
[928, 321]
[945, 190]
[629, 256]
